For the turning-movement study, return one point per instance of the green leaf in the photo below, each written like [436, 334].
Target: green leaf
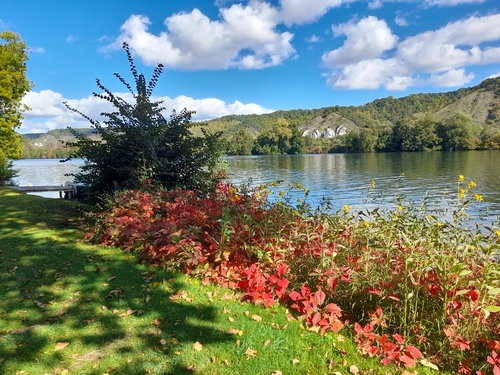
[492, 309]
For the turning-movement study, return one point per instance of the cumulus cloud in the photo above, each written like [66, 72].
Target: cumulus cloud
[305, 11]
[451, 78]
[245, 37]
[367, 39]
[47, 111]
[400, 21]
[437, 57]
[70, 39]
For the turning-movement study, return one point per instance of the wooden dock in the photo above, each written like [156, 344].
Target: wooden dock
[65, 191]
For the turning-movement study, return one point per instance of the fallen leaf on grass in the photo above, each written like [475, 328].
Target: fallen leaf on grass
[354, 369]
[104, 308]
[257, 318]
[342, 352]
[191, 368]
[230, 319]
[113, 293]
[111, 278]
[277, 372]
[197, 346]
[232, 331]
[163, 342]
[41, 305]
[251, 352]
[426, 363]
[213, 359]
[295, 361]
[289, 317]
[226, 311]
[267, 342]
[127, 313]
[156, 322]
[238, 342]
[177, 353]
[61, 346]
[148, 298]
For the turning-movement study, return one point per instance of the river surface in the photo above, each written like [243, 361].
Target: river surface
[343, 178]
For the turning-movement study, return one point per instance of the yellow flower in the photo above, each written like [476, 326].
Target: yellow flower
[299, 185]
[478, 197]
[402, 174]
[366, 223]
[346, 208]
[400, 208]
[471, 185]
[295, 212]
[498, 233]
[282, 193]
[280, 204]
[373, 183]
[438, 223]
[275, 183]
[261, 187]
[461, 178]
[266, 191]
[461, 193]
[299, 200]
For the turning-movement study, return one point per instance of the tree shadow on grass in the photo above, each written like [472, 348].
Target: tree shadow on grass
[69, 306]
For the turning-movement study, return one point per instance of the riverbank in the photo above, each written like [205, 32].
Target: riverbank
[73, 308]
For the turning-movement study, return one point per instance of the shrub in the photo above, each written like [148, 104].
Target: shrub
[416, 288]
[138, 147]
[7, 172]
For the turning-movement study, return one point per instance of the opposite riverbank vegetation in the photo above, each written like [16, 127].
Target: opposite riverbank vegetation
[465, 119]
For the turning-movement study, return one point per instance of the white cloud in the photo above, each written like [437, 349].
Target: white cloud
[37, 50]
[451, 78]
[245, 37]
[367, 39]
[452, 2]
[305, 11]
[48, 113]
[313, 39]
[70, 39]
[435, 57]
[494, 75]
[400, 21]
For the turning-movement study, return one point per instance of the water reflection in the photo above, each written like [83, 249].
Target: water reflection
[342, 178]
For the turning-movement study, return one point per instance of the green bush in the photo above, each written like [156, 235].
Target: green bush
[139, 148]
[7, 172]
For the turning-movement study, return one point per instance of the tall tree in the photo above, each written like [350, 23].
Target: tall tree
[138, 146]
[13, 86]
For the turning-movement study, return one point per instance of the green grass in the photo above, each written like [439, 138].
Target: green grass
[112, 315]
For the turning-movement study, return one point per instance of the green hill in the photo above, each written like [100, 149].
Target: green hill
[329, 128]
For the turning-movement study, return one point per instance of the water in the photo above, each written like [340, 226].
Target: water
[342, 178]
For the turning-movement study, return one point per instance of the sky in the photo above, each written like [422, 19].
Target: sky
[225, 57]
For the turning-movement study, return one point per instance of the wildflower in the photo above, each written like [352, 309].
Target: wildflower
[366, 223]
[402, 174]
[373, 183]
[346, 208]
[478, 197]
[498, 233]
[461, 178]
[266, 191]
[400, 208]
[471, 185]
[261, 187]
[299, 185]
[299, 200]
[295, 212]
[280, 204]
[275, 183]
[282, 193]
[461, 193]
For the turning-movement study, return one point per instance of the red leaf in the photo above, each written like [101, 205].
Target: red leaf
[294, 295]
[398, 338]
[320, 297]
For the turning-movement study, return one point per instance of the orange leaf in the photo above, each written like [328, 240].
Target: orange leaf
[257, 318]
[251, 352]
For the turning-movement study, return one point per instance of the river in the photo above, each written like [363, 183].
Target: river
[343, 178]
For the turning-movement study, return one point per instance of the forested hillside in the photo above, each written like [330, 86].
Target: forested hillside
[465, 119]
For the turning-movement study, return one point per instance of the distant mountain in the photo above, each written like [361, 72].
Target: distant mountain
[481, 102]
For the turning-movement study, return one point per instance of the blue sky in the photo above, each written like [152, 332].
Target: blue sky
[235, 57]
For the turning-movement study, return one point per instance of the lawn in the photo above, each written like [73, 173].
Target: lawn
[68, 307]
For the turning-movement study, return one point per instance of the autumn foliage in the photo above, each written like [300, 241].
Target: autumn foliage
[412, 289]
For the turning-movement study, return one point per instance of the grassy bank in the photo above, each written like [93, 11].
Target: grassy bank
[71, 308]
